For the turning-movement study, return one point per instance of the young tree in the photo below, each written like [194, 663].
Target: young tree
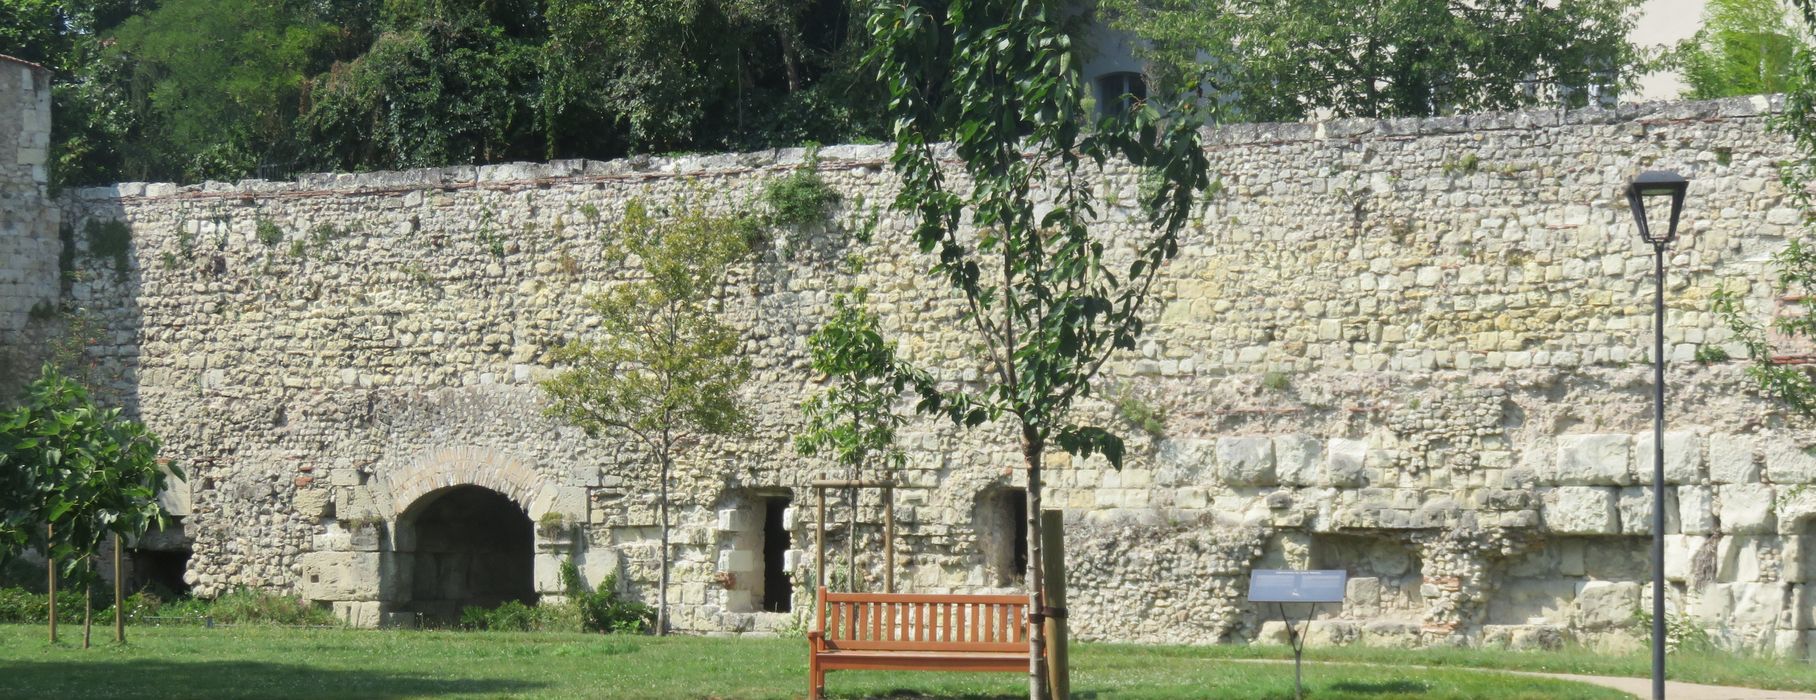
[1292, 59]
[853, 421]
[1013, 236]
[662, 370]
[1743, 48]
[72, 473]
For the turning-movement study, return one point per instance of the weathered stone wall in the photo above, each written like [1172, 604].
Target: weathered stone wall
[28, 222]
[1416, 350]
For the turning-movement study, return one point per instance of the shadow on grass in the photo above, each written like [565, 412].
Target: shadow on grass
[229, 679]
[1381, 687]
[912, 694]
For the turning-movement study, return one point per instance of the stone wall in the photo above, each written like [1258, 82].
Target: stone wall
[28, 223]
[1413, 349]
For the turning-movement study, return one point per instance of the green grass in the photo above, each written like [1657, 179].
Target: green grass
[1710, 668]
[269, 662]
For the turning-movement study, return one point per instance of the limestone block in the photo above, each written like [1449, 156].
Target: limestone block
[1390, 634]
[1246, 461]
[1582, 510]
[1272, 632]
[312, 503]
[1183, 461]
[1696, 510]
[739, 600]
[1362, 592]
[790, 560]
[1803, 606]
[1299, 460]
[737, 561]
[1345, 462]
[546, 572]
[1755, 606]
[1679, 552]
[1746, 508]
[1332, 633]
[1732, 459]
[1737, 558]
[1524, 637]
[1605, 604]
[1683, 458]
[1790, 462]
[339, 576]
[1594, 460]
[1788, 644]
[733, 520]
[1636, 510]
[363, 614]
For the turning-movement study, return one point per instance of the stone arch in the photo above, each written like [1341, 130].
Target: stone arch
[459, 546]
[443, 468]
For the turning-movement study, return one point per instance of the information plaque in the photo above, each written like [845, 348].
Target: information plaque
[1284, 586]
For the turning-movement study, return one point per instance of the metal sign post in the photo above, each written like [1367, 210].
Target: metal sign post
[1279, 586]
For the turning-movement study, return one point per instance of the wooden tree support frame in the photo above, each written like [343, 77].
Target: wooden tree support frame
[819, 538]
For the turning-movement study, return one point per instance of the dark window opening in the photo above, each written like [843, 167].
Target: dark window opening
[160, 571]
[1015, 501]
[1118, 93]
[1002, 534]
[778, 595]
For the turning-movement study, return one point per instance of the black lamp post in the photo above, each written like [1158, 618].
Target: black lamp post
[1657, 186]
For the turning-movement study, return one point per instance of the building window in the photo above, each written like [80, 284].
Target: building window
[1119, 92]
[1002, 533]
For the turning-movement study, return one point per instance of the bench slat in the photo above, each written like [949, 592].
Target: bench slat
[922, 598]
[904, 645]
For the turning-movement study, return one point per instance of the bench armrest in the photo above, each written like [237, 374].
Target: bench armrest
[815, 640]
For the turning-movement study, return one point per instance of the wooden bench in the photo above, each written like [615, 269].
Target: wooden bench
[915, 632]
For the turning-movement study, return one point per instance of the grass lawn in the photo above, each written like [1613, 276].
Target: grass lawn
[268, 662]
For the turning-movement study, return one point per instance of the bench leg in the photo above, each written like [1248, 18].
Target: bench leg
[816, 681]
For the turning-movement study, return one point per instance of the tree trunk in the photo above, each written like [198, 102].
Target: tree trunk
[1033, 446]
[119, 594]
[662, 579]
[791, 59]
[51, 568]
[88, 598]
[851, 538]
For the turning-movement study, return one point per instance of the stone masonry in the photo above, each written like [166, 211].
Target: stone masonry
[1414, 349]
[28, 221]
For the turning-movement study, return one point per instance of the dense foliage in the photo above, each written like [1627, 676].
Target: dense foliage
[1291, 59]
[1743, 48]
[194, 89]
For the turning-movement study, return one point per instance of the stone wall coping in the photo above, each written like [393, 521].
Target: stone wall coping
[23, 62]
[521, 175]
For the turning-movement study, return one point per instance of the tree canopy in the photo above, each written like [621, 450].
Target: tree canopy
[196, 89]
[1292, 59]
[1744, 47]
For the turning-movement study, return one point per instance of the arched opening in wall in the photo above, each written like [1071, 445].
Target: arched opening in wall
[1001, 519]
[464, 546]
[1384, 575]
[158, 560]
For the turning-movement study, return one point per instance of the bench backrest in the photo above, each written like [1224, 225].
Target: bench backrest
[922, 622]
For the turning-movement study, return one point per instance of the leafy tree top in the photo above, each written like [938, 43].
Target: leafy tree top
[1001, 82]
[661, 360]
[1743, 48]
[1293, 59]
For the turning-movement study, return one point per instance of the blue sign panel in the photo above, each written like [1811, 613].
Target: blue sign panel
[1283, 586]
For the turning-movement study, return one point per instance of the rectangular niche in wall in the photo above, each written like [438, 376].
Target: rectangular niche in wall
[778, 595]
[1588, 583]
[1001, 518]
[755, 541]
[1384, 574]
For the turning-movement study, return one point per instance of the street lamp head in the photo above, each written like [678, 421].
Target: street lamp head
[1657, 185]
